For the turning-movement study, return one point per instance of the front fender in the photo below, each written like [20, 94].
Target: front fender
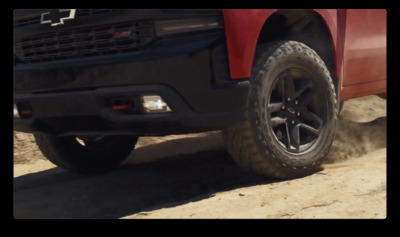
[242, 28]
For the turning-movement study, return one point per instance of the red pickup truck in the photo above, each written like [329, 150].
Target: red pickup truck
[89, 82]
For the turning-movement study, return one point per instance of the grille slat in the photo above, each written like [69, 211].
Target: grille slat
[84, 42]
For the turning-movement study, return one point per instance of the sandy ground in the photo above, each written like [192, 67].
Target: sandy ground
[193, 176]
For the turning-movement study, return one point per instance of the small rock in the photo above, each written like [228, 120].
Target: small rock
[241, 194]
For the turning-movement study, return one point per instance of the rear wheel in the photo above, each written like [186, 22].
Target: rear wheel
[89, 154]
[291, 114]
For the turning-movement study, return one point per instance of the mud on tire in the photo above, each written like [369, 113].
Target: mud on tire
[291, 113]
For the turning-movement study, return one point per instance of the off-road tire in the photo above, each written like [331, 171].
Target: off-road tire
[251, 142]
[91, 158]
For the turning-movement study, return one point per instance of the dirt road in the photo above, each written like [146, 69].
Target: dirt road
[192, 176]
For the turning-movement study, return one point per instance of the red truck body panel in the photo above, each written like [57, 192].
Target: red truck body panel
[363, 32]
[359, 43]
[242, 28]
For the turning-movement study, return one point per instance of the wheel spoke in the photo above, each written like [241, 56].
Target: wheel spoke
[309, 128]
[295, 135]
[280, 89]
[288, 142]
[289, 87]
[276, 121]
[304, 101]
[275, 107]
[304, 85]
[312, 117]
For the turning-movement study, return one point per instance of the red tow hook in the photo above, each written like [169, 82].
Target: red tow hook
[121, 104]
[121, 107]
[26, 111]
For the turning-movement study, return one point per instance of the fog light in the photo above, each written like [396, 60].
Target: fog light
[154, 104]
[16, 114]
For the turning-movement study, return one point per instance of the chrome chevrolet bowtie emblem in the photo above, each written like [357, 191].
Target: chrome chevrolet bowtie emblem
[57, 17]
[292, 111]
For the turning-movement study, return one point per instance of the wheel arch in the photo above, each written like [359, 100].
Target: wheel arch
[247, 29]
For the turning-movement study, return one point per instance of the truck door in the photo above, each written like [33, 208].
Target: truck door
[364, 46]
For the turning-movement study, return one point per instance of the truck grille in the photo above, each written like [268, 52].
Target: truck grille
[84, 42]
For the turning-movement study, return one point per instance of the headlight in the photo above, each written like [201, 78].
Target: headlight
[170, 27]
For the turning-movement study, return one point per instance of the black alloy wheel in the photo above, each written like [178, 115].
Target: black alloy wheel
[295, 112]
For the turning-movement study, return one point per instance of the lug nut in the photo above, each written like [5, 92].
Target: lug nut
[296, 102]
[283, 107]
[288, 99]
[298, 113]
[293, 121]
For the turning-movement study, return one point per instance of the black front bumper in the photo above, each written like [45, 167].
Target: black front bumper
[190, 72]
[90, 113]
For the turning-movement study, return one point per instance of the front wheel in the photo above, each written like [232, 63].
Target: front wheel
[89, 154]
[291, 113]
